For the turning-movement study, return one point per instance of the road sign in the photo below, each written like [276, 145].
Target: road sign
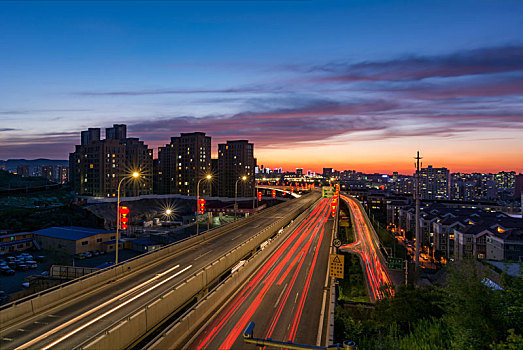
[336, 265]
[395, 263]
[337, 243]
[327, 192]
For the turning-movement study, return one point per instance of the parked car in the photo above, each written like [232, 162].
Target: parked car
[40, 258]
[3, 297]
[102, 252]
[22, 267]
[10, 259]
[32, 264]
[6, 270]
[80, 256]
[88, 254]
[95, 253]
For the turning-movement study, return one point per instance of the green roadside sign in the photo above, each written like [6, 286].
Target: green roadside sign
[395, 263]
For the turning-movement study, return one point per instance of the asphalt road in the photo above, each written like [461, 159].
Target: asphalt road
[366, 245]
[285, 297]
[74, 322]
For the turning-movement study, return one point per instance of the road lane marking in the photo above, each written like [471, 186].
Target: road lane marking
[282, 291]
[204, 254]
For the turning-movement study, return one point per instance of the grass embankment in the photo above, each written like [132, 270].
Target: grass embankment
[352, 287]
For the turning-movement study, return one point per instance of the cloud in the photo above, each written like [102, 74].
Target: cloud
[313, 122]
[7, 129]
[256, 89]
[464, 63]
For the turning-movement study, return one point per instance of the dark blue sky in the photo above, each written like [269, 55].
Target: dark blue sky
[367, 81]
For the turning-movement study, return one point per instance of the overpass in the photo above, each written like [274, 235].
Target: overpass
[366, 246]
[117, 307]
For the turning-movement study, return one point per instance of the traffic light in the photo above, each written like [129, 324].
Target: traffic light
[259, 196]
[273, 192]
[201, 206]
[123, 217]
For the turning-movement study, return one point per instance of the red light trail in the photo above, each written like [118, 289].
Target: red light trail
[290, 259]
[366, 245]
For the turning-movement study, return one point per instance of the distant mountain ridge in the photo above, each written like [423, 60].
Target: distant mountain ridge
[12, 164]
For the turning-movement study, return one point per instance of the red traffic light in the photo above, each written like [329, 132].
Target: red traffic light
[124, 220]
[259, 196]
[124, 226]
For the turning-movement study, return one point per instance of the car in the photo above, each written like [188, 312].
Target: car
[80, 256]
[6, 270]
[22, 267]
[88, 254]
[40, 258]
[95, 253]
[102, 252]
[10, 259]
[32, 264]
[3, 297]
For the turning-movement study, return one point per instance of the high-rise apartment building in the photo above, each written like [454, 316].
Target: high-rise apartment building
[117, 132]
[23, 170]
[48, 172]
[62, 174]
[90, 135]
[235, 160]
[434, 183]
[183, 162]
[97, 166]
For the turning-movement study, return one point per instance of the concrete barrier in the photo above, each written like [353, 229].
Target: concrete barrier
[171, 301]
[174, 337]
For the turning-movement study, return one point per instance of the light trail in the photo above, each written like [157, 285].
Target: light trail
[59, 340]
[365, 246]
[289, 256]
[85, 314]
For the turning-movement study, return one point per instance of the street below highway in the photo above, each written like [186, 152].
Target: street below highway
[74, 322]
[284, 298]
[366, 245]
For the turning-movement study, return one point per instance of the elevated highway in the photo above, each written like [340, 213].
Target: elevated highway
[366, 246]
[116, 307]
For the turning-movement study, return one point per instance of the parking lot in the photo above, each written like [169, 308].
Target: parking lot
[13, 284]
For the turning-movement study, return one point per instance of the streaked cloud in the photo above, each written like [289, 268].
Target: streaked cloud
[414, 67]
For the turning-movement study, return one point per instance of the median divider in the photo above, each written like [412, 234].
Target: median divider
[172, 300]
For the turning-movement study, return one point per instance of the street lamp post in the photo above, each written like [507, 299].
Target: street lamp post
[243, 178]
[207, 177]
[134, 175]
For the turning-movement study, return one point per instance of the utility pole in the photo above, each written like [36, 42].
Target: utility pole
[417, 198]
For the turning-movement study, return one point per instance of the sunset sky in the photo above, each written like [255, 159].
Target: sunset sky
[348, 84]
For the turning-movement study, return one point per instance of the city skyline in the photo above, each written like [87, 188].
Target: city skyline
[359, 85]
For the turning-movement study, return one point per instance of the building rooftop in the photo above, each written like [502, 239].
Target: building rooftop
[72, 233]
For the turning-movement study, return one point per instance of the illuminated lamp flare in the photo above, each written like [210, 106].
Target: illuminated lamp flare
[259, 196]
[273, 194]
[124, 226]
[124, 220]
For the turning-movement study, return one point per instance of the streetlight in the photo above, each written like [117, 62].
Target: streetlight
[243, 178]
[207, 177]
[134, 175]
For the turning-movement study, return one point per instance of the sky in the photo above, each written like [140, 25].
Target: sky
[348, 84]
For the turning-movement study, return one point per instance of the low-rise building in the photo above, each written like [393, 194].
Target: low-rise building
[74, 240]
[16, 242]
